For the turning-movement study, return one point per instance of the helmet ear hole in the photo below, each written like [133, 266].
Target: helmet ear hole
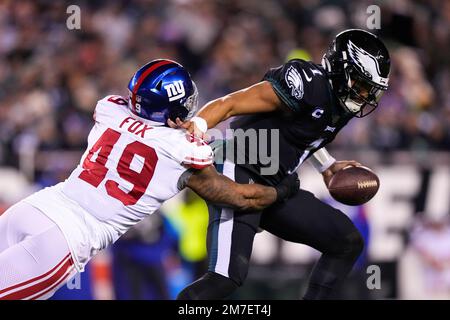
[159, 85]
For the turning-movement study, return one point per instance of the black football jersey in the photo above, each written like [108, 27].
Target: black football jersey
[313, 119]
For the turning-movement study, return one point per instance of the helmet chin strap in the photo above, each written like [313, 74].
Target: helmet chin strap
[352, 106]
[349, 103]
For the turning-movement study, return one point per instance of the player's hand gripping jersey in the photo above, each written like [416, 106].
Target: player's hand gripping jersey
[131, 166]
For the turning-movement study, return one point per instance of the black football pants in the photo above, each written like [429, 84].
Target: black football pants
[302, 219]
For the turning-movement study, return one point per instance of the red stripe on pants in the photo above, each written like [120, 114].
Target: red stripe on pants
[38, 287]
[53, 287]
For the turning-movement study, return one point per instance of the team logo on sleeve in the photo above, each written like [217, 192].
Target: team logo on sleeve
[295, 82]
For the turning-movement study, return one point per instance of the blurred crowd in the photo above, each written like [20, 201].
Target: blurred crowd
[51, 77]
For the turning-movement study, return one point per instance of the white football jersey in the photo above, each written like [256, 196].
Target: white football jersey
[131, 166]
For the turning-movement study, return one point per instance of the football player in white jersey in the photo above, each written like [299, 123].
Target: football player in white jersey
[133, 163]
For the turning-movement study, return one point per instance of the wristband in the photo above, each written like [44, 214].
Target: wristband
[321, 160]
[201, 124]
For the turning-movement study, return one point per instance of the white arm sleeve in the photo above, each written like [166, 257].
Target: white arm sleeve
[321, 160]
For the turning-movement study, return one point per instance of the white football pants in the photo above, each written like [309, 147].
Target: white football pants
[35, 259]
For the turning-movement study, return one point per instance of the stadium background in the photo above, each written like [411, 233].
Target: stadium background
[51, 78]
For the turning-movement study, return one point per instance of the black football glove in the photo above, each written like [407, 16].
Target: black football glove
[288, 187]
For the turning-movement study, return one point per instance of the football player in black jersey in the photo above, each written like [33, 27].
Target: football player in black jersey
[309, 104]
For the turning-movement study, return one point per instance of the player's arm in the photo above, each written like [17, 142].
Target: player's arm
[257, 98]
[219, 189]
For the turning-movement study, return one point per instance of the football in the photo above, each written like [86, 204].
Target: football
[354, 186]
